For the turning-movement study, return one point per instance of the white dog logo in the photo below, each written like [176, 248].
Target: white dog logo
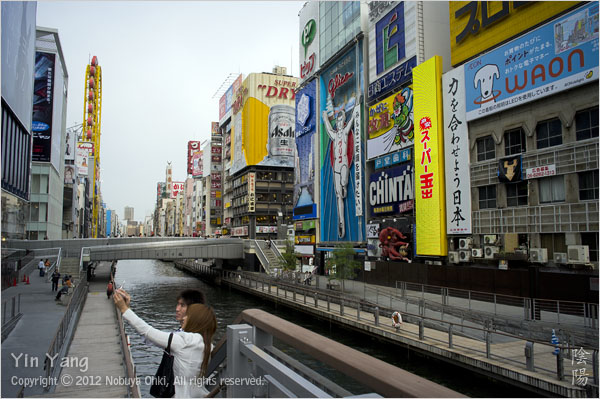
[485, 77]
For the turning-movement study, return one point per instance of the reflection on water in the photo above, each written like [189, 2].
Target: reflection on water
[154, 286]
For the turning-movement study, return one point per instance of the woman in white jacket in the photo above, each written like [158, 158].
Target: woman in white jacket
[187, 347]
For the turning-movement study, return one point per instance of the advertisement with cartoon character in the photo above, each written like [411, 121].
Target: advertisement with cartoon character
[558, 56]
[341, 149]
[391, 126]
[306, 126]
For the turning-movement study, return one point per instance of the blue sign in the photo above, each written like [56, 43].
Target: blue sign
[306, 122]
[392, 159]
[389, 39]
[397, 77]
[391, 191]
[555, 57]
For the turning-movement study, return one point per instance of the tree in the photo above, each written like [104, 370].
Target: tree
[342, 265]
[288, 262]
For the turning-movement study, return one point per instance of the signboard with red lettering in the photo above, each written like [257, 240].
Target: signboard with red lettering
[176, 188]
[540, 171]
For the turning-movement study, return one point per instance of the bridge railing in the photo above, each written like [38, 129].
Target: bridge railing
[262, 258]
[249, 352]
[481, 340]
[552, 311]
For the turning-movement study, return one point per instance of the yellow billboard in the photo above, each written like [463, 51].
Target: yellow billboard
[476, 26]
[263, 131]
[429, 159]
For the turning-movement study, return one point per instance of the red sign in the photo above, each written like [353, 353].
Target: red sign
[193, 149]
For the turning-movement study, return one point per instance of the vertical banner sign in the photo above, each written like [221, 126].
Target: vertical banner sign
[177, 187]
[429, 159]
[309, 40]
[305, 206]
[341, 153]
[456, 144]
[251, 191]
[43, 95]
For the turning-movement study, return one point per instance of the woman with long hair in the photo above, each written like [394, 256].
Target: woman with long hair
[190, 348]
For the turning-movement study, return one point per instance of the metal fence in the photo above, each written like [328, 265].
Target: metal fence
[579, 314]
[475, 340]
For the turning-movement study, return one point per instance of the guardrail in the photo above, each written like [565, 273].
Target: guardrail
[10, 315]
[133, 388]
[369, 313]
[58, 342]
[55, 265]
[529, 309]
[262, 258]
[250, 353]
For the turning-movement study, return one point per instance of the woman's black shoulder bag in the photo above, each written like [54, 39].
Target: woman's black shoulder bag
[163, 385]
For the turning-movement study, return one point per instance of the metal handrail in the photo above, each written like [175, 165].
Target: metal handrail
[382, 377]
[262, 257]
[133, 388]
[58, 342]
[246, 279]
[55, 265]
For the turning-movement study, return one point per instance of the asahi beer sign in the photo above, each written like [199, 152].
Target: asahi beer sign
[456, 147]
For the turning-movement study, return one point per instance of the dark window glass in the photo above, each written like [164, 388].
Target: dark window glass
[485, 148]
[588, 185]
[514, 141]
[591, 240]
[516, 194]
[586, 123]
[487, 197]
[549, 133]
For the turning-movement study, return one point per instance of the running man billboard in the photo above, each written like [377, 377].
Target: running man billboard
[341, 149]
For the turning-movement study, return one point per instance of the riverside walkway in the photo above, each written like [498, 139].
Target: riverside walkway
[496, 354]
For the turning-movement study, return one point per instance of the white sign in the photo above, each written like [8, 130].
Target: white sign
[373, 230]
[176, 188]
[309, 40]
[456, 147]
[251, 192]
[305, 249]
[239, 231]
[540, 171]
[85, 150]
[358, 161]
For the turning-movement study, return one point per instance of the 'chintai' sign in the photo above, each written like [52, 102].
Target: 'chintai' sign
[391, 191]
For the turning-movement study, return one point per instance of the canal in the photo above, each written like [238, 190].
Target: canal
[154, 286]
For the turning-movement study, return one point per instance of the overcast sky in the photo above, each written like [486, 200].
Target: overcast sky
[162, 62]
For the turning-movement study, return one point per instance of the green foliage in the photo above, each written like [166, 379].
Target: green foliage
[342, 265]
[289, 257]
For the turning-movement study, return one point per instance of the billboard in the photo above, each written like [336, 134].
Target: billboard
[476, 26]
[392, 46]
[214, 128]
[456, 143]
[43, 96]
[429, 159]
[70, 174]
[558, 56]
[176, 188]
[264, 122]
[391, 191]
[391, 126]
[341, 148]
[70, 145]
[226, 100]
[85, 149]
[197, 164]
[305, 205]
[161, 190]
[309, 40]
[194, 147]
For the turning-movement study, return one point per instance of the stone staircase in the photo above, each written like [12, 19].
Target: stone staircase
[69, 266]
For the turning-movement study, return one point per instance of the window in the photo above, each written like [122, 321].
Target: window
[514, 141]
[549, 133]
[552, 189]
[516, 194]
[588, 185]
[485, 148]
[553, 242]
[586, 123]
[487, 197]
[591, 240]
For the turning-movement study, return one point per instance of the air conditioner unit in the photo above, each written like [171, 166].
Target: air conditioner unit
[489, 251]
[560, 258]
[453, 257]
[477, 253]
[465, 243]
[578, 254]
[464, 255]
[538, 255]
[490, 239]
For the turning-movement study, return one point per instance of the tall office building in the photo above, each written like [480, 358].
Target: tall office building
[128, 213]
